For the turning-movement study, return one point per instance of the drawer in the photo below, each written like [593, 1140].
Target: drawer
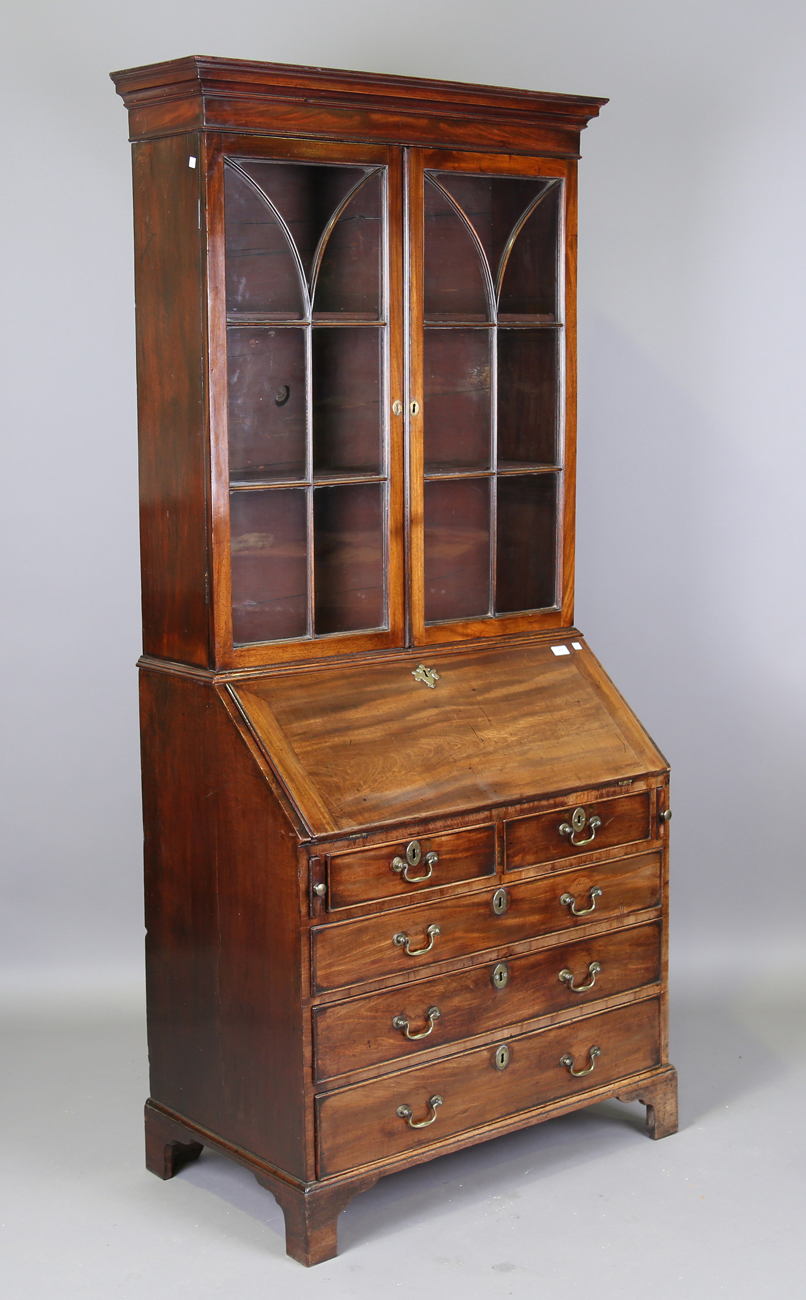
[532, 840]
[359, 1033]
[362, 875]
[362, 1124]
[350, 952]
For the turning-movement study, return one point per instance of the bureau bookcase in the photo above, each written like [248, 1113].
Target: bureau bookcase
[405, 844]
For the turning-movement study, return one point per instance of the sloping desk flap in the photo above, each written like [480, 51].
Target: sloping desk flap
[366, 743]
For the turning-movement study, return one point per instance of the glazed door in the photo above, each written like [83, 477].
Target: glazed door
[491, 420]
[307, 455]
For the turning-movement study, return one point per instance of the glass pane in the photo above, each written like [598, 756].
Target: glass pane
[266, 403]
[493, 205]
[454, 285]
[349, 279]
[347, 400]
[528, 363]
[526, 562]
[457, 548]
[269, 564]
[530, 282]
[348, 558]
[456, 405]
[306, 195]
[262, 275]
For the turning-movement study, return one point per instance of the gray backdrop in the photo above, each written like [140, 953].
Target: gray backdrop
[691, 554]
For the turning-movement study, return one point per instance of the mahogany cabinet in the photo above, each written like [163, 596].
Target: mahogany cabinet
[406, 845]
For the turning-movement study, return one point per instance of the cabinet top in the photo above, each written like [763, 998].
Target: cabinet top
[236, 94]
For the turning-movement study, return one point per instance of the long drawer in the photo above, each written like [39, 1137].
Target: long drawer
[407, 939]
[552, 836]
[400, 1022]
[372, 1121]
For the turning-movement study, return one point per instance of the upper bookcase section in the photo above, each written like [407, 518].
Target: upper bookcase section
[200, 93]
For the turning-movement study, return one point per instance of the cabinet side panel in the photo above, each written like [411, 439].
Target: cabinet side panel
[222, 928]
[171, 399]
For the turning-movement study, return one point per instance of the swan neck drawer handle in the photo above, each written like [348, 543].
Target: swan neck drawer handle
[569, 901]
[579, 820]
[413, 858]
[568, 1062]
[401, 1023]
[406, 1112]
[402, 941]
[567, 977]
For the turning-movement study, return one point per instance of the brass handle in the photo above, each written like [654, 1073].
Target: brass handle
[406, 1112]
[397, 408]
[401, 1023]
[567, 977]
[579, 820]
[402, 941]
[412, 859]
[569, 901]
[568, 1062]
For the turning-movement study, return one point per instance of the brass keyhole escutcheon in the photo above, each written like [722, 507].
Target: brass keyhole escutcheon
[428, 676]
[415, 408]
[500, 902]
[501, 1057]
[500, 975]
[397, 408]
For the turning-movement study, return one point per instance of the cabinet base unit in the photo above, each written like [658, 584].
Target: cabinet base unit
[406, 847]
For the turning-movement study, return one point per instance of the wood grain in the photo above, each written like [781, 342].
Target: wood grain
[230, 94]
[533, 840]
[367, 874]
[370, 743]
[360, 1032]
[169, 289]
[222, 918]
[346, 953]
[360, 1125]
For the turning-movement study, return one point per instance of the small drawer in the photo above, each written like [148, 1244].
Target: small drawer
[448, 1008]
[569, 832]
[407, 939]
[364, 1124]
[407, 867]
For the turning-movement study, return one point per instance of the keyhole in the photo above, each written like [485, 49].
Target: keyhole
[500, 902]
[501, 1058]
[282, 395]
[500, 975]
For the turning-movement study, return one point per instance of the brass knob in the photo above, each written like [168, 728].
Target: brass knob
[320, 890]
[666, 815]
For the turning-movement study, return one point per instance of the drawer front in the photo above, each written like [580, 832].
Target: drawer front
[354, 951]
[385, 871]
[360, 1125]
[532, 840]
[362, 1032]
